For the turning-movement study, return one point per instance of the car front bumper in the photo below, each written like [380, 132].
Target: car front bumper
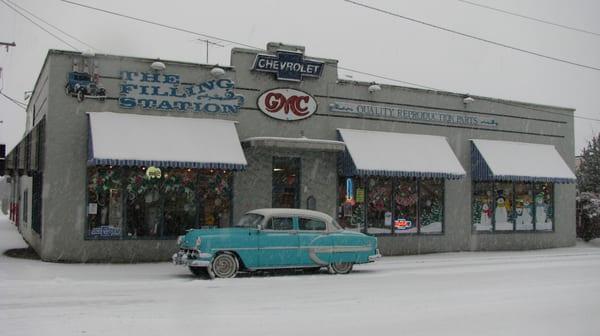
[184, 258]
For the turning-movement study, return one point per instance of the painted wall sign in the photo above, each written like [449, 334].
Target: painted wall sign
[157, 91]
[288, 65]
[287, 104]
[410, 114]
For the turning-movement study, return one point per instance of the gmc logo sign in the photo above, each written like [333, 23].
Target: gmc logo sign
[287, 104]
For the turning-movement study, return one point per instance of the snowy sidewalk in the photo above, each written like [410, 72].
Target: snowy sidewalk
[542, 292]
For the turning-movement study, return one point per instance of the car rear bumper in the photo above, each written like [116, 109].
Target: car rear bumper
[375, 256]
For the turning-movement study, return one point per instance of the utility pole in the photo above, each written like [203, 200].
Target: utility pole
[8, 45]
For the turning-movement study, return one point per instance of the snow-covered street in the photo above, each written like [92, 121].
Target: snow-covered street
[543, 292]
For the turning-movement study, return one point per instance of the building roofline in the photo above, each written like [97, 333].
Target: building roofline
[515, 103]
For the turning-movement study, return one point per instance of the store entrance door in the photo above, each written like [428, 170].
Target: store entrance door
[286, 182]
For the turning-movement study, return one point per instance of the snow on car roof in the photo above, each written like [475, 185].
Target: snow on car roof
[290, 211]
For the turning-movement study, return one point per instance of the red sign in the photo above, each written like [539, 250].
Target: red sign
[287, 104]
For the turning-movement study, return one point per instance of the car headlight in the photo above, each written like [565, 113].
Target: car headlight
[180, 240]
[198, 241]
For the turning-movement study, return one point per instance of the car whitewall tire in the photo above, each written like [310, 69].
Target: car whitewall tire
[340, 268]
[224, 265]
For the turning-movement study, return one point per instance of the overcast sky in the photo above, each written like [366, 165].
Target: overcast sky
[359, 38]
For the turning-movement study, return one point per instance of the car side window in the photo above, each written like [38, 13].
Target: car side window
[280, 224]
[311, 224]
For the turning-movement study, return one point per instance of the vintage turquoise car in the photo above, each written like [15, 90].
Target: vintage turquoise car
[273, 239]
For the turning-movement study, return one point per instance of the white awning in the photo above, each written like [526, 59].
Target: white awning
[518, 161]
[136, 140]
[400, 154]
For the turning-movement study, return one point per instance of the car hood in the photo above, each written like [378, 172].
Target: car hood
[189, 240]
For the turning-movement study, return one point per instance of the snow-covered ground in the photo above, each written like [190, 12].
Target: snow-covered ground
[543, 292]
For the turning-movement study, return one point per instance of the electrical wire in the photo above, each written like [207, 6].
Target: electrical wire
[481, 39]
[158, 24]
[14, 101]
[51, 25]
[342, 68]
[39, 26]
[529, 17]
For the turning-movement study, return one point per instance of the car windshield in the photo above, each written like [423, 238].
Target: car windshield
[250, 220]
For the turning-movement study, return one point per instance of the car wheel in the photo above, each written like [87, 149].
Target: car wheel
[67, 90]
[340, 268]
[80, 96]
[225, 265]
[199, 271]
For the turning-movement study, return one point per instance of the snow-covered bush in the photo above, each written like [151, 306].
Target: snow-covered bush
[588, 215]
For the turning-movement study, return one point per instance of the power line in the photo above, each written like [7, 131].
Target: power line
[342, 68]
[39, 26]
[471, 36]
[51, 25]
[157, 24]
[14, 101]
[530, 18]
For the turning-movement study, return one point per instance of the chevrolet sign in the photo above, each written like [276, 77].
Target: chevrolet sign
[288, 65]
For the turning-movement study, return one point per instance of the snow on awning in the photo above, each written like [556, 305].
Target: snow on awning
[139, 140]
[518, 161]
[400, 154]
[296, 143]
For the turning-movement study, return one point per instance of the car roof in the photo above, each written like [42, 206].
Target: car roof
[290, 211]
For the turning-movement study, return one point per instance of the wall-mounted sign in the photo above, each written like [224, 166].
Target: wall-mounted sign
[157, 91]
[288, 65]
[106, 231]
[287, 104]
[410, 114]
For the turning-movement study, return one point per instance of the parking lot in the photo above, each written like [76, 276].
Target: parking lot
[539, 292]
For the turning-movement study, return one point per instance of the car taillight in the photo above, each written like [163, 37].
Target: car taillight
[198, 241]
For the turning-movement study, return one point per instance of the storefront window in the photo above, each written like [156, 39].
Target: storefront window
[431, 206]
[179, 188]
[482, 211]
[519, 206]
[139, 202]
[503, 217]
[214, 189]
[105, 202]
[379, 210]
[396, 205]
[351, 200]
[523, 206]
[144, 203]
[544, 206]
[405, 206]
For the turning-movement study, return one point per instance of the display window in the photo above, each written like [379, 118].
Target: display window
[379, 205]
[392, 205]
[518, 206]
[503, 216]
[544, 206]
[149, 202]
[482, 211]
[431, 206]
[105, 202]
[523, 209]
[405, 201]
[351, 203]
